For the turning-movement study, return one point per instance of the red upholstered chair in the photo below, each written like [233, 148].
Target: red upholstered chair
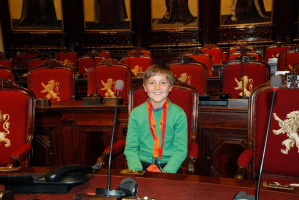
[68, 58]
[274, 51]
[85, 62]
[37, 60]
[234, 55]
[255, 73]
[191, 72]
[137, 62]
[214, 51]
[140, 50]
[28, 54]
[17, 107]
[286, 60]
[202, 57]
[7, 73]
[281, 161]
[181, 94]
[107, 73]
[52, 80]
[8, 63]
[104, 53]
[237, 47]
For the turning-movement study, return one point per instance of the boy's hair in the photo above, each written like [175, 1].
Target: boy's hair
[158, 69]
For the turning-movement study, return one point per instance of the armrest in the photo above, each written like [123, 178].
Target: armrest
[117, 147]
[192, 157]
[19, 154]
[243, 164]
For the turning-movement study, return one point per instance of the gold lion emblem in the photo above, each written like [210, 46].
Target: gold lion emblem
[136, 69]
[108, 87]
[290, 127]
[247, 84]
[185, 78]
[50, 90]
[6, 128]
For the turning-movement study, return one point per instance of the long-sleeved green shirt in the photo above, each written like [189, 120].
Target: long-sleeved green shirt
[140, 142]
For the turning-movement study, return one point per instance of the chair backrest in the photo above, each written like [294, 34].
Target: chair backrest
[281, 156]
[104, 53]
[68, 58]
[52, 80]
[255, 73]
[141, 51]
[107, 73]
[202, 57]
[287, 60]
[17, 108]
[85, 62]
[181, 94]
[191, 72]
[7, 73]
[137, 64]
[5, 62]
[28, 54]
[234, 55]
[274, 51]
[214, 51]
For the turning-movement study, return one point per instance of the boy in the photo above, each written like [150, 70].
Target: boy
[157, 130]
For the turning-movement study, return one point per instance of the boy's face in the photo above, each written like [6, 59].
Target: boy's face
[157, 88]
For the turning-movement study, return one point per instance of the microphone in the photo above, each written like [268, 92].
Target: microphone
[129, 184]
[93, 53]
[275, 85]
[19, 65]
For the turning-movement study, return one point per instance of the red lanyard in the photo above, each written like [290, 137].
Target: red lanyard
[152, 125]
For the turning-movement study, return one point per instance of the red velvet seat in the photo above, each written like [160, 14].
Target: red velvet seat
[234, 55]
[191, 72]
[17, 119]
[140, 50]
[52, 80]
[8, 63]
[202, 57]
[256, 73]
[281, 161]
[183, 95]
[7, 73]
[287, 60]
[68, 57]
[28, 54]
[104, 53]
[85, 62]
[274, 51]
[137, 63]
[214, 51]
[107, 73]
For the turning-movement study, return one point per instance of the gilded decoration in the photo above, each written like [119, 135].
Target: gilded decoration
[290, 127]
[6, 124]
[49, 88]
[108, 87]
[248, 83]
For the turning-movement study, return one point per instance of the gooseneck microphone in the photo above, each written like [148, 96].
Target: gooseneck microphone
[107, 192]
[93, 54]
[275, 85]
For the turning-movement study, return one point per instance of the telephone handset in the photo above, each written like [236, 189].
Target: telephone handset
[58, 180]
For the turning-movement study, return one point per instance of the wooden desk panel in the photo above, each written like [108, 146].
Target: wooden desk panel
[222, 137]
[68, 132]
[165, 186]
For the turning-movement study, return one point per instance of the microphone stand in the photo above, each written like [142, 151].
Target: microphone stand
[108, 192]
[95, 75]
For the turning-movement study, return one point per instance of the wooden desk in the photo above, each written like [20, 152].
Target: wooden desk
[68, 133]
[164, 186]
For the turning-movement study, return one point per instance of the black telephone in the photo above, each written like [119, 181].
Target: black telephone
[58, 180]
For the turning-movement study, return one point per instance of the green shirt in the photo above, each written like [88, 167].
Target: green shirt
[140, 142]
